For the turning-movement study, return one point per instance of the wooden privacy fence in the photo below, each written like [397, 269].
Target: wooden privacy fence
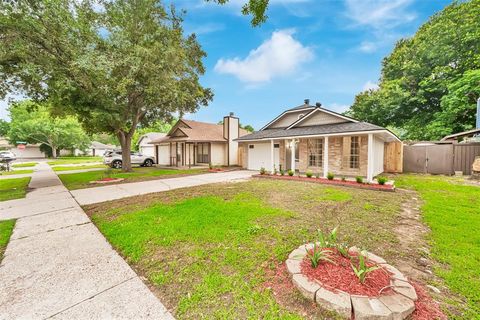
[440, 158]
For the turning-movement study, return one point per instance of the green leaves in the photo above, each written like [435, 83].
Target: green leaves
[362, 270]
[319, 254]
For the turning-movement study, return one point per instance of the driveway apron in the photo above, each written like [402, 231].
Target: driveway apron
[58, 265]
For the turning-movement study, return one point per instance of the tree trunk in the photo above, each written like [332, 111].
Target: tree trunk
[54, 152]
[126, 144]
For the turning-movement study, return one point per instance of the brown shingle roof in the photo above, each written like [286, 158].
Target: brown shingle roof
[197, 132]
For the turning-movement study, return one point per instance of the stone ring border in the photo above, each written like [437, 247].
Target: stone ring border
[398, 305]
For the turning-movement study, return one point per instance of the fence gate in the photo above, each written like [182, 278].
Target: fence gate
[464, 155]
[434, 159]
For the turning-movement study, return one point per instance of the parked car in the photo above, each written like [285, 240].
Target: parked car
[114, 159]
[7, 155]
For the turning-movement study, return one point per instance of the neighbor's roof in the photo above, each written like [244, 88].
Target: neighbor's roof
[197, 131]
[343, 127]
[99, 145]
[461, 134]
[151, 136]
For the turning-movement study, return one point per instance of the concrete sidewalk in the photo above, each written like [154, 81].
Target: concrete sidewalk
[118, 191]
[58, 265]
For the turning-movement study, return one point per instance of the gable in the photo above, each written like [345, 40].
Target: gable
[177, 133]
[288, 118]
[320, 118]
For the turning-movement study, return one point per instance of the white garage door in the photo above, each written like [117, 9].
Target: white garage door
[259, 156]
[163, 155]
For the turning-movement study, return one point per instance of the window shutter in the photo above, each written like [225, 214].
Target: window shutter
[345, 152]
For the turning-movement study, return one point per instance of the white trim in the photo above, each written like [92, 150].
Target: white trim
[272, 157]
[292, 155]
[322, 110]
[283, 113]
[370, 160]
[352, 133]
[325, 157]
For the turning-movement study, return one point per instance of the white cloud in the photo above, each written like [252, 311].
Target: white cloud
[338, 107]
[278, 56]
[379, 14]
[368, 46]
[370, 85]
[205, 28]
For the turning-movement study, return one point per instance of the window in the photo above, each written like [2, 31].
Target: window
[315, 152]
[276, 145]
[354, 153]
[202, 153]
[300, 116]
[251, 146]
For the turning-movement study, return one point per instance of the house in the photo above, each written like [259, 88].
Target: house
[312, 138]
[192, 143]
[22, 151]
[98, 149]
[144, 145]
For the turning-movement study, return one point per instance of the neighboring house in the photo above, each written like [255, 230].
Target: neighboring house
[28, 151]
[144, 145]
[311, 138]
[98, 149]
[191, 143]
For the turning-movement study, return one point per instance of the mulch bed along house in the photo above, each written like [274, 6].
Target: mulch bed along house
[346, 183]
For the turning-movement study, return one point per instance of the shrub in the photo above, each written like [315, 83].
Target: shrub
[317, 255]
[317, 175]
[210, 166]
[330, 176]
[262, 171]
[363, 269]
[382, 180]
[275, 170]
[291, 173]
[282, 172]
[359, 179]
[309, 174]
[343, 178]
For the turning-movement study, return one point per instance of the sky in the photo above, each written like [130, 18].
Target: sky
[323, 50]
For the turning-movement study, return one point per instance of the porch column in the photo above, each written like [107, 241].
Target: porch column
[370, 163]
[325, 157]
[272, 159]
[293, 155]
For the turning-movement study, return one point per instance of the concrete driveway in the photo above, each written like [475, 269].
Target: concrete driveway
[118, 191]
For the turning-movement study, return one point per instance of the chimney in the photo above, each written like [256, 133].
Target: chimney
[231, 131]
[307, 102]
[318, 104]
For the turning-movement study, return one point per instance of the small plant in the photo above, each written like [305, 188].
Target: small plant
[382, 180]
[363, 269]
[342, 248]
[282, 172]
[254, 229]
[344, 179]
[262, 171]
[330, 176]
[317, 175]
[327, 240]
[291, 173]
[275, 170]
[210, 166]
[359, 179]
[309, 174]
[317, 255]
[298, 174]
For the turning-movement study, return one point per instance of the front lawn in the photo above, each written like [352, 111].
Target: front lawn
[452, 211]
[9, 173]
[73, 160]
[13, 188]
[212, 251]
[82, 180]
[6, 229]
[24, 165]
[79, 167]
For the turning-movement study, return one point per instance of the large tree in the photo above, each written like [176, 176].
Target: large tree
[116, 66]
[429, 83]
[32, 123]
[4, 127]
[255, 8]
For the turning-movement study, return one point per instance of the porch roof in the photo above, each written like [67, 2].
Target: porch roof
[326, 129]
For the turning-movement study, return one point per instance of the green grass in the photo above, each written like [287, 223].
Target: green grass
[25, 165]
[6, 229]
[13, 188]
[79, 167]
[9, 173]
[212, 250]
[452, 211]
[82, 180]
[73, 160]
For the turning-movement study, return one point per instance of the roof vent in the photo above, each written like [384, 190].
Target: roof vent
[231, 114]
[318, 104]
[307, 101]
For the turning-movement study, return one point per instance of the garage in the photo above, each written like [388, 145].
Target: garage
[163, 154]
[259, 156]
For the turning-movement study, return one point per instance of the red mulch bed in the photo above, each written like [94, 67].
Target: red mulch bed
[215, 170]
[337, 182]
[340, 276]
[107, 179]
[425, 307]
